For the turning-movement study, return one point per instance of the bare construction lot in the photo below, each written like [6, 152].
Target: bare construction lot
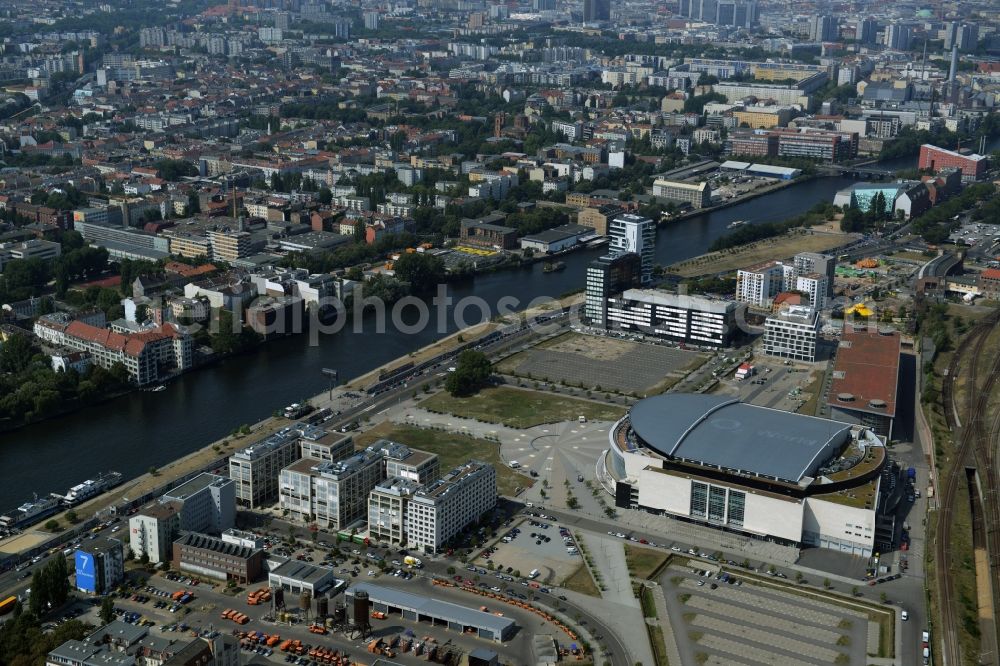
[603, 363]
[761, 624]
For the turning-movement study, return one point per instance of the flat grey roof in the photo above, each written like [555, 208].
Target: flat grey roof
[723, 432]
[198, 483]
[303, 572]
[443, 610]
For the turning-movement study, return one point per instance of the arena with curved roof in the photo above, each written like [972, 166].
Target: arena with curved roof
[790, 478]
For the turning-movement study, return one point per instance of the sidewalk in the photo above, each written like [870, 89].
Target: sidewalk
[663, 619]
[618, 606]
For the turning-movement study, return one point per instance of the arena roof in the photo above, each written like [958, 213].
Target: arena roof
[723, 432]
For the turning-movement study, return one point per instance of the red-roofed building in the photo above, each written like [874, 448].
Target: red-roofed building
[989, 284]
[866, 378]
[147, 356]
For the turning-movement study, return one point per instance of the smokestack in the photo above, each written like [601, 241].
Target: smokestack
[954, 64]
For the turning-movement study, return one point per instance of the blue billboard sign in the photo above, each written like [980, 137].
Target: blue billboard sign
[86, 575]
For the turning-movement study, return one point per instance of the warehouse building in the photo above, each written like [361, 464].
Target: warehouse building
[424, 609]
[296, 577]
[207, 556]
[866, 378]
[699, 195]
[762, 473]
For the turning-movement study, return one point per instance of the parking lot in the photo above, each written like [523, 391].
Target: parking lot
[775, 385]
[202, 614]
[608, 362]
[536, 544]
[726, 618]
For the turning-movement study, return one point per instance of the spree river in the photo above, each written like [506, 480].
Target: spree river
[140, 430]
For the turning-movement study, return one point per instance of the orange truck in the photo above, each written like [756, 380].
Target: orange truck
[272, 640]
[378, 615]
[177, 595]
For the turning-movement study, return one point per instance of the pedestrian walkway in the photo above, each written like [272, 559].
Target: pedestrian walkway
[663, 619]
[608, 555]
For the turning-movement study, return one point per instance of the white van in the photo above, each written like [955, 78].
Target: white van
[534, 573]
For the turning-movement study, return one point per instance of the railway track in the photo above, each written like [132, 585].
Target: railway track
[970, 449]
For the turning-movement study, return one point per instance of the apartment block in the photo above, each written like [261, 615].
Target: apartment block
[759, 284]
[457, 500]
[815, 262]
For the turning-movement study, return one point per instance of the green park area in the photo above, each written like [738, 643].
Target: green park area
[452, 449]
[520, 408]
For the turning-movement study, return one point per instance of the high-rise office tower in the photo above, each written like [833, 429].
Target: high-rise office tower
[823, 28]
[607, 276]
[897, 36]
[867, 31]
[596, 10]
[634, 233]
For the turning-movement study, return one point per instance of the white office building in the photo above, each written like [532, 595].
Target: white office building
[208, 503]
[792, 334]
[153, 529]
[256, 468]
[458, 499]
[388, 504]
[637, 234]
[332, 494]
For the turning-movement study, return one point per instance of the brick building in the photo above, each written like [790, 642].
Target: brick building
[934, 158]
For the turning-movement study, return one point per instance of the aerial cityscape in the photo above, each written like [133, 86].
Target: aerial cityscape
[499, 333]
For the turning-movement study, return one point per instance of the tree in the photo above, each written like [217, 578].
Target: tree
[107, 612]
[16, 354]
[424, 272]
[36, 600]
[472, 372]
[71, 516]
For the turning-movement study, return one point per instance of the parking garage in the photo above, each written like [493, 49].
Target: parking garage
[423, 609]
